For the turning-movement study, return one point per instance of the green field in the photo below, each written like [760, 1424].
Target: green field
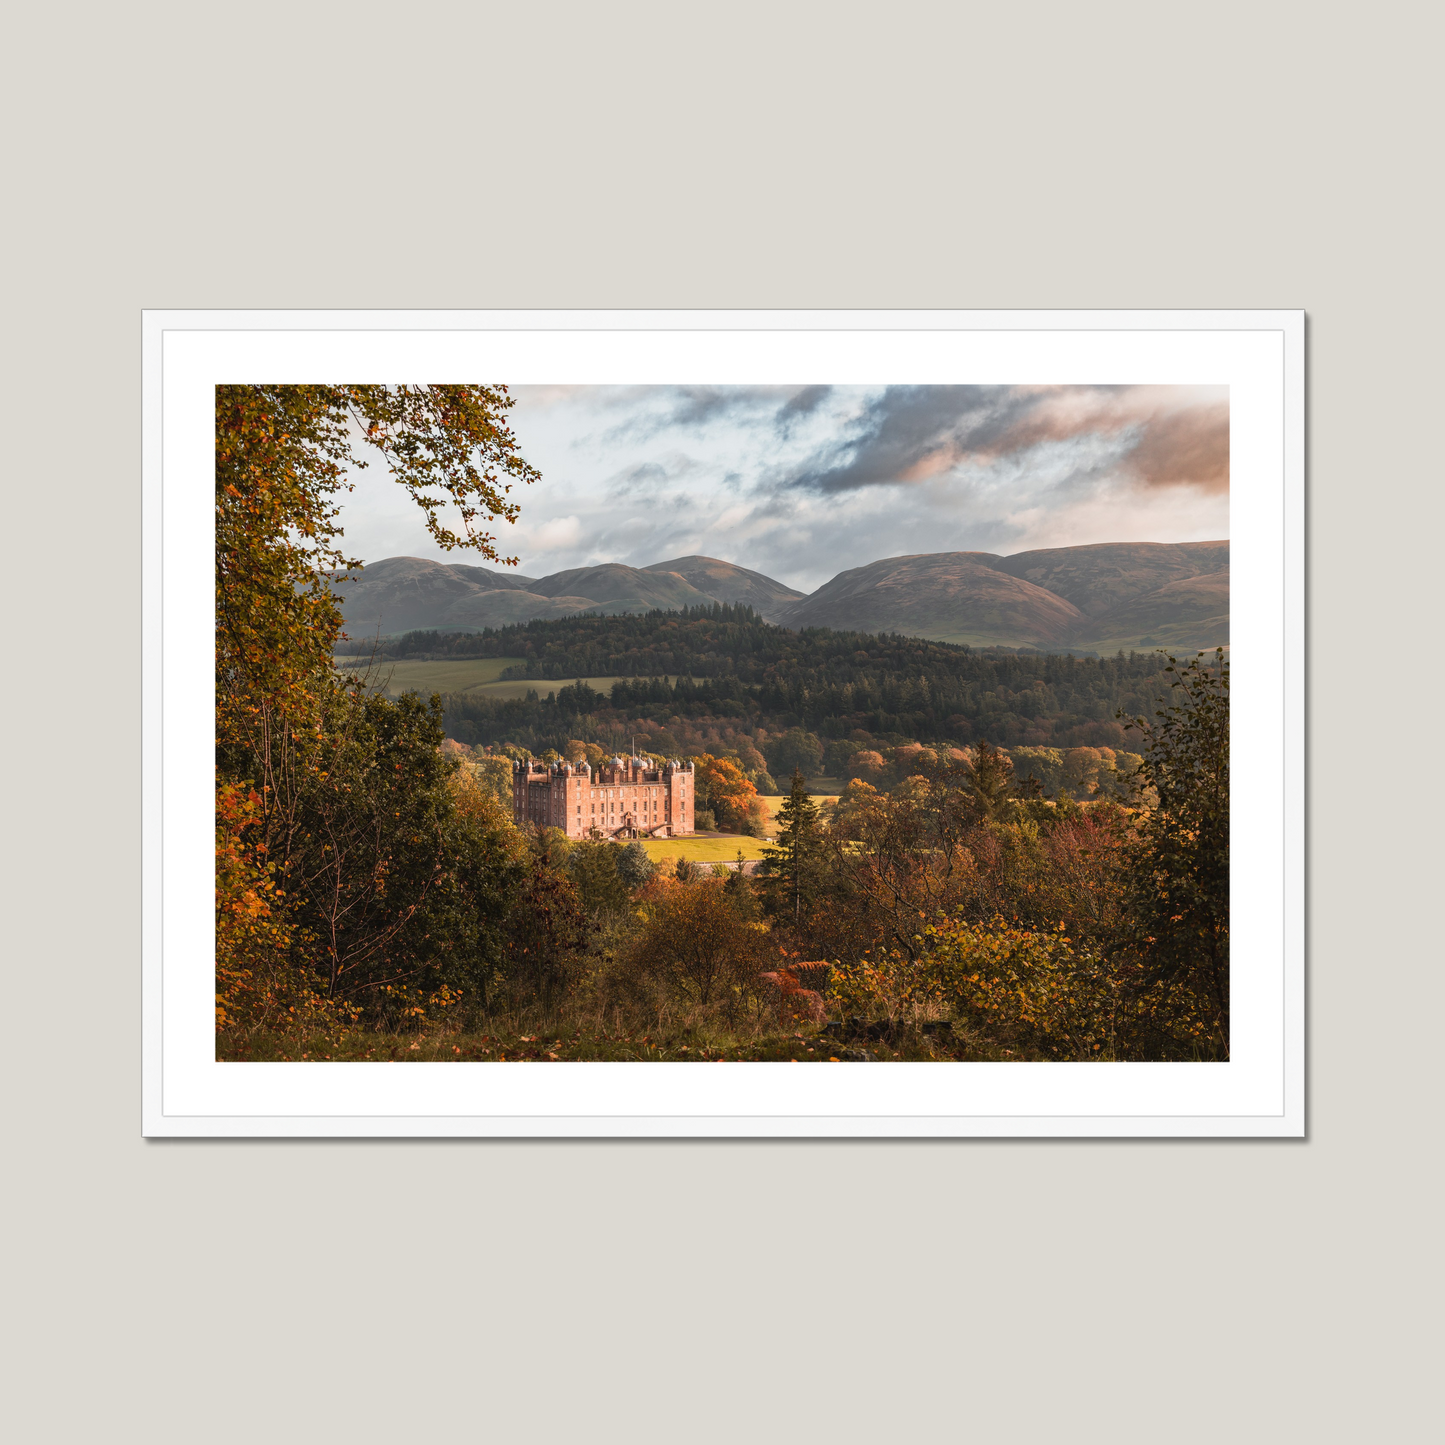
[705, 848]
[460, 674]
[715, 848]
[773, 803]
[540, 685]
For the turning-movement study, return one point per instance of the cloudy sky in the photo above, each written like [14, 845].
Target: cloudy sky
[803, 482]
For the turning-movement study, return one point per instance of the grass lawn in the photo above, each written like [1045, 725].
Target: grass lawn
[704, 847]
[772, 802]
[461, 674]
[723, 847]
[443, 674]
[540, 685]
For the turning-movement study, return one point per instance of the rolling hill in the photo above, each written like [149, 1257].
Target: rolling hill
[727, 582]
[404, 594]
[1090, 599]
[615, 588]
[944, 596]
[1099, 578]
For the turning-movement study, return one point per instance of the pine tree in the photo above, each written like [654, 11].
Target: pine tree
[798, 845]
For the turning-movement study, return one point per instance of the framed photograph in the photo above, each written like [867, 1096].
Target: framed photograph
[625, 694]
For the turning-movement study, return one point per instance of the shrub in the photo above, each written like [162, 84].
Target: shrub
[634, 866]
[594, 867]
[697, 943]
[253, 931]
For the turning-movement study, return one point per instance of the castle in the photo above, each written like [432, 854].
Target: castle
[625, 798]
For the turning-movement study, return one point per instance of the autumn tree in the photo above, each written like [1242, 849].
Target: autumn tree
[282, 453]
[697, 941]
[348, 810]
[1178, 907]
[865, 763]
[723, 787]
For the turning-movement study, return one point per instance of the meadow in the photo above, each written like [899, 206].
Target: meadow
[724, 847]
[474, 676]
[705, 847]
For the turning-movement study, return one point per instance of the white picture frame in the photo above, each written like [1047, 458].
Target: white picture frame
[1260, 355]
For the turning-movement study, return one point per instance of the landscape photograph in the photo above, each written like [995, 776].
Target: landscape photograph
[751, 724]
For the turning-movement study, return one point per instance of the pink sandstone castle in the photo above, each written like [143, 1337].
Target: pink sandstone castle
[626, 798]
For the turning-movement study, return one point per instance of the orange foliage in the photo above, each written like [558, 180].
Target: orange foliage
[733, 798]
[252, 929]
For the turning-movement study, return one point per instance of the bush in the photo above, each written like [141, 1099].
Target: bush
[634, 866]
[696, 942]
[704, 821]
[595, 868]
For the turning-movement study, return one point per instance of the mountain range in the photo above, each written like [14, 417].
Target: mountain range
[1095, 598]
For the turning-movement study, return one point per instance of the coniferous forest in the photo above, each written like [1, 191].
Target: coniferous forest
[723, 663]
[1024, 856]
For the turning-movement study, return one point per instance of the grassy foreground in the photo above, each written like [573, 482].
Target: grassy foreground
[669, 1042]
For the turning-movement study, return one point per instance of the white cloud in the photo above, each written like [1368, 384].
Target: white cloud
[560, 534]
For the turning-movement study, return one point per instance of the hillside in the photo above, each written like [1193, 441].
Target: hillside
[1096, 598]
[1099, 578]
[615, 588]
[406, 594]
[1188, 613]
[1092, 599]
[945, 596]
[400, 593]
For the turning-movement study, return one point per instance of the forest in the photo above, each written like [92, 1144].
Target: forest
[717, 673]
[1061, 898]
